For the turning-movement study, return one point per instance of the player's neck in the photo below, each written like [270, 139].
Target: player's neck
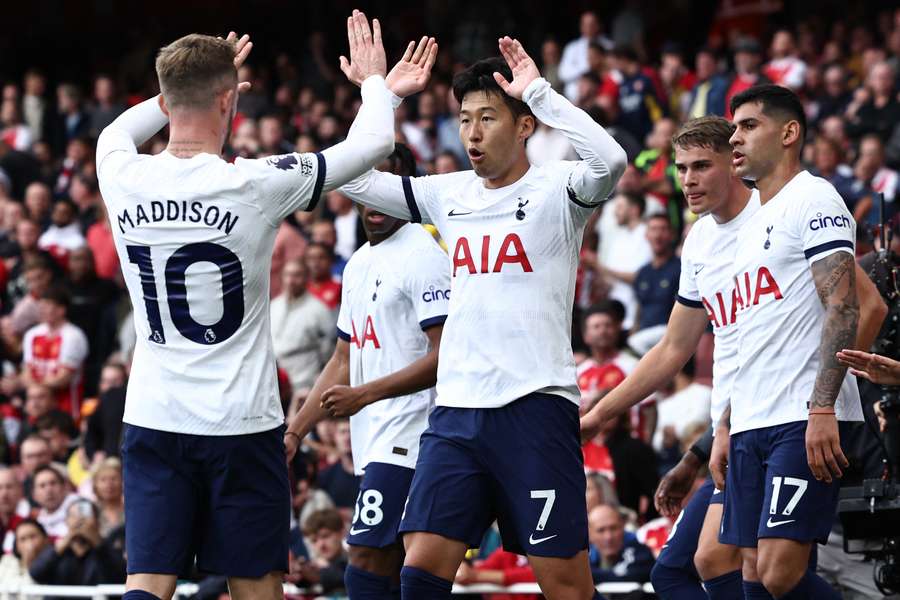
[513, 174]
[738, 197]
[200, 135]
[784, 171]
[377, 238]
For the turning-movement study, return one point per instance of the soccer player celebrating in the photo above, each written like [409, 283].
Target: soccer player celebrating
[393, 308]
[203, 453]
[502, 443]
[797, 307]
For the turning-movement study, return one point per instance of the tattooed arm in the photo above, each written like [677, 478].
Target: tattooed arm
[835, 279]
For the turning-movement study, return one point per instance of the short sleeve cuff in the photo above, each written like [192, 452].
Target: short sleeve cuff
[432, 322]
[688, 302]
[343, 335]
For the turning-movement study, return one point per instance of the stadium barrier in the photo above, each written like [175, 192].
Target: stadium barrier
[185, 590]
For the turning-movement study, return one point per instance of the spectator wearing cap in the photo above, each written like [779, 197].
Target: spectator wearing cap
[613, 553]
[786, 68]
[574, 62]
[324, 530]
[747, 73]
[54, 352]
[64, 233]
[53, 498]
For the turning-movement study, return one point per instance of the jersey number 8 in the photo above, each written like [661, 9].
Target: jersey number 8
[176, 292]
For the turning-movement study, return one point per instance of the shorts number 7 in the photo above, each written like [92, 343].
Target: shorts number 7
[800, 484]
[549, 497]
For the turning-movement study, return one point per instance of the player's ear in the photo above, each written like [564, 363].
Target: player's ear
[790, 133]
[526, 127]
[162, 105]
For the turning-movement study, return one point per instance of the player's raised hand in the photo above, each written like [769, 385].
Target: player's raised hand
[874, 367]
[242, 48]
[410, 75]
[344, 401]
[823, 447]
[524, 71]
[676, 485]
[366, 50]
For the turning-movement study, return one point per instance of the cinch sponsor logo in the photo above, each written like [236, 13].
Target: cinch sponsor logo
[821, 222]
[432, 294]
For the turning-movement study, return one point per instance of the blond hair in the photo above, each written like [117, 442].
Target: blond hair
[194, 69]
[711, 132]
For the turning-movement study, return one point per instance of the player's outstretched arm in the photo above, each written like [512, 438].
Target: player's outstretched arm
[835, 280]
[336, 371]
[874, 367]
[371, 137]
[656, 368]
[602, 158]
[345, 401]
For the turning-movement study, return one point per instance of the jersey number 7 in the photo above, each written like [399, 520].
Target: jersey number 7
[176, 292]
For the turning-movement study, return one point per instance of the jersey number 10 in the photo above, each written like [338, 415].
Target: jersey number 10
[176, 291]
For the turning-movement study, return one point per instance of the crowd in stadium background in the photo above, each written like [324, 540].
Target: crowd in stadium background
[66, 336]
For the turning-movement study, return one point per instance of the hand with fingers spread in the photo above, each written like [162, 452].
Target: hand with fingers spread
[366, 50]
[410, 75]
[242, 48]
[524, 71]
[874, 367]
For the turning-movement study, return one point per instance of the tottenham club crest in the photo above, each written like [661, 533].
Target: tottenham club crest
[520, 214]
[768, 243]
[375, 294]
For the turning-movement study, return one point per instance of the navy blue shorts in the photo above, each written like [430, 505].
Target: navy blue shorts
[770, 490]
[379, 505]
[520, 464]
[679, 549]
[222, 499]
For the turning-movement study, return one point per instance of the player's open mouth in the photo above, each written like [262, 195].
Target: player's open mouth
[476, 155]
[375, 218]
[695, 196]
[737, 158]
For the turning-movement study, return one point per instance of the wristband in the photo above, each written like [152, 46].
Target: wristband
[821, 411]
[296, 435]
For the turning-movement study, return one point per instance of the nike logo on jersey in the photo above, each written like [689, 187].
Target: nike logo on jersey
[453, 213]
[358, 531]
[771, 523]
[698, 269]
[535, 542]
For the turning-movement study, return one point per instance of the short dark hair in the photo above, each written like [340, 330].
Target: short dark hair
[56, 419]
[775, 101]
[611, 308]
[479, 77]
[325, 247]
[402, 160]
[327, 518]
[27, 521]
[634, 199]
[49, 469]
[58, 295]
[659, 215]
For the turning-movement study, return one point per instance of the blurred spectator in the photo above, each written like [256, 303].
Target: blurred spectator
[54, 351]
[614, 554]
[85, 193]
[30, 541]
[835, 95]
[78, 154]
[13, 507]
[785, 68]
[307, 499]
[874, 108]
[100, 240]
[34, 453]
[53, 500]
[303, 329]
[872, 176]
[324, 232]
[26, 312]
[71, 121]
[319, 261]
[37, 201]
[574, 62]
[92, 310]
[35, 108]
[550, 58]
[656, 283]
[106, 105]
[639, 105]
[107, 484]
[271, 136]
[290, 244]
[657, 165]
[623, 250]
[448, 162]
[686, 405]
[599, 490]
[339, 480]
[39, 402]
[80, 556]
[104, 425]
[13, 131]
[676, 78]
[58, 428]
[499, 568]
[325, 530]
[747, 73]
[21, 168]
[547, 144]
[64, 233]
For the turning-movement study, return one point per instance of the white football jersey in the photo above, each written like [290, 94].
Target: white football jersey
[780, 316]
[707, 281]
[513, 256]
[392, 292]
[195, 238]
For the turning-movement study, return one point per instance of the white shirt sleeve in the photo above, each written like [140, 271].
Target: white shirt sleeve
[823, 223]
[592, 179]
[285, 183]
[428, 285]
[130, 129]
[74, 349]
[688, 291]
[28, 347]
[344, 325]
